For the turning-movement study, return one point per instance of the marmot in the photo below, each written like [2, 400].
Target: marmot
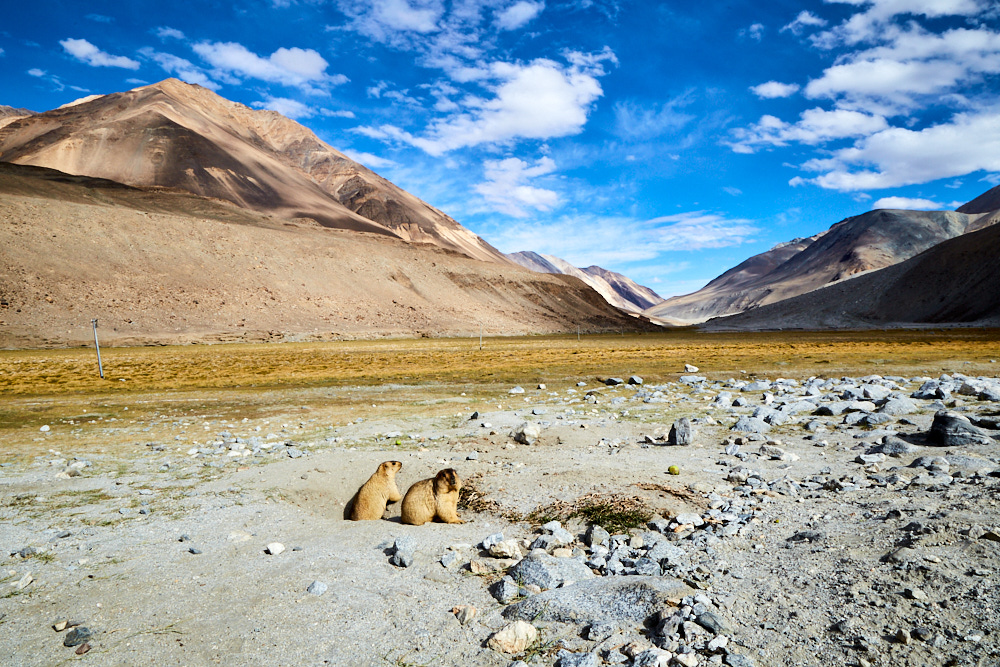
[369, 502]
[433, 499]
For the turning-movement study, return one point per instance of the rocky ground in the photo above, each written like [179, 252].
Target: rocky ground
[828, 521]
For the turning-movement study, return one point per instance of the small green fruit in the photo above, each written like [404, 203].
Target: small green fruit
[674, 470]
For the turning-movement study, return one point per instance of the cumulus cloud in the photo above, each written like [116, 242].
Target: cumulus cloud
[183, 69]
[815, 126]
[868, 25]
[896, 156]
[538, 100]
[302, 68]
[754, 32]
[608, 241]
[774, 89]
[507, 186]
[34, 71]
[912, 66]
[385, 20]
[288, 108]
[89, 54]
[908, 204]
[164, 32]
[518, 15]
[804, 20]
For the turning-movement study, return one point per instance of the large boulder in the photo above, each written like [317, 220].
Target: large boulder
[604, 599]
[951, 429]
[681, 432]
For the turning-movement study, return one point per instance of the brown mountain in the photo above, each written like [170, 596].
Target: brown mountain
[177, 135]
[166, 266]
[618, 290]
[873, 240]
[955, 282]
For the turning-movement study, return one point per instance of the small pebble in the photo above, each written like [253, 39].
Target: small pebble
[275, 548]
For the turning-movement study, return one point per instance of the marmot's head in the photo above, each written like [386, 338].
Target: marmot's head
[390, 467]
[448, 479]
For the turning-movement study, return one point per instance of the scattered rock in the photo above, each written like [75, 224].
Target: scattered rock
[465, 613]
[514, 638]
[316, 588]
[77, 636]
[275, 548]
[951, 429]
[545, 571]
[681, 432]
[526, 433]
[567, 659]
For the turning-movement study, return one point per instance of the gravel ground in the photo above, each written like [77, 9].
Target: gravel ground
[807, 553]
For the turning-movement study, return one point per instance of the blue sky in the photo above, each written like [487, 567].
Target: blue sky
[666, 140]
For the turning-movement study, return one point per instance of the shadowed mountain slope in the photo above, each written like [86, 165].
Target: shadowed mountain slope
[156, 265]
[179, 135]
[873, 240]
[618, 290]
[954, 282]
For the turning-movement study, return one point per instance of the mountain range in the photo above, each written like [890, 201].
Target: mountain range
[618, 290]
[174, 215]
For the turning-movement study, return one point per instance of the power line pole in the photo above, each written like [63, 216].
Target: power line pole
[97, 346]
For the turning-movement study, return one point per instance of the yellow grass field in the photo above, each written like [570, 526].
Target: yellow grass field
[335, 381]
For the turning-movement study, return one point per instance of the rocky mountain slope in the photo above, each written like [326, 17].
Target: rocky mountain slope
[956, 281]
[873, 240]
[178, 135]
[166, 266]
[620, 291]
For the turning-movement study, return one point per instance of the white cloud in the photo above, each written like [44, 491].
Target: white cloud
[868, 25]
[164, 32]
[302, 68]
[100, 18]
[507, 186]
[337, 113]
[385, 20]
[908, 204]
[518, 15]
[897, 156]
[608, 241]
[735, 192]
[755, 32]
[370, 161]
[137, 82]
[815, 126]
[774, 89]
[911, 67]
[288, 108]
[87, 53]
[34, 71]
[183, 69]
[804, 20]
[540, 100]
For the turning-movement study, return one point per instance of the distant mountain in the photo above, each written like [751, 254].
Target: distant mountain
[177, 135]
[866, 242]
[158, 265]
[10, 114]
[955, 282]
[620, 291]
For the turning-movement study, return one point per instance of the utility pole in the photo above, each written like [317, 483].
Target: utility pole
[100, 367]
[480, 336]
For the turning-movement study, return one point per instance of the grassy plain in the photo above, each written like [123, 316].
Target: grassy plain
[336, 381]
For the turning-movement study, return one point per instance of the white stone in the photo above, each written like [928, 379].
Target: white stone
[275, 548]
[514, 638]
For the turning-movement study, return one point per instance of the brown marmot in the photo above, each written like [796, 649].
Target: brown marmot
[369, 502]
[433, 499]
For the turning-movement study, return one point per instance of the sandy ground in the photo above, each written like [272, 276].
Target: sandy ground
[158, 546]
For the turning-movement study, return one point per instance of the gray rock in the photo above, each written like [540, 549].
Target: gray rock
[495, 538]
[78, 635]
[568, 659]
[316, 588]
[691, 518]
[893, 446]
[601, 630]
[516, 390]
[951, 429]
[614, 382]
[666, 554]
[473, 456]
[506, 590]
[713, 623]
[833, 408]
[595, 535]
[545, 571]
[681, 432]
[602, 599]
[403, 549]
[739, 660]
[751, 425]
[898, 406]
[690, 379]
[635, 380]
[757, 385]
